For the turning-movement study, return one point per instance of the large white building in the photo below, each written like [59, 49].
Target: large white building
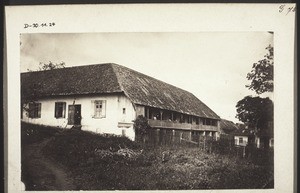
[106, 98]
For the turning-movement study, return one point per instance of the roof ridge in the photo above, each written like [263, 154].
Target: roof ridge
[117, 75]
[69, 67]
[120, 68]
[152, 78]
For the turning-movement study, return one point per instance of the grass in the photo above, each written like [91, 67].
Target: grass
[97, 162]
[35, 133]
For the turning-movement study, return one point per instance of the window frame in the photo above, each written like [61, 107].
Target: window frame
[35, 109]
[241, 142]
[271, 143]
[102, 112]
[56, 108]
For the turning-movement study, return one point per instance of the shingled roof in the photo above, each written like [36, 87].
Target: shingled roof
[112, 78]
[227, 126]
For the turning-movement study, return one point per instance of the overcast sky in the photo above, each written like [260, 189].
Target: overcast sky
[213, 66]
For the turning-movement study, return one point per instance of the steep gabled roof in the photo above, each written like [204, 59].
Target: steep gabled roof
[227, 126]
[243, 132]
[112, 78]
[91, 79]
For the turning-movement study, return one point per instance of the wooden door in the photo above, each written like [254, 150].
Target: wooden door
[74, 113]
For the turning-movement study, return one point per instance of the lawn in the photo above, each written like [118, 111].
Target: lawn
[98, 162]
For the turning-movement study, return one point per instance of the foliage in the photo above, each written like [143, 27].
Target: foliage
[261, 75]
[50, 66]
[35, 133]
[36, 87]
[93, 163]
[255, 111]
[141, 125]
[72, 147]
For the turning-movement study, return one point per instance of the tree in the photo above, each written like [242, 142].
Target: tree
[27, 98]
[50, 66]
[256, 112]
[141, 127]
[261, 75]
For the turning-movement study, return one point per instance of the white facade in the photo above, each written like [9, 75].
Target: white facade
[118, 118]
[259, 144]
[241, 140]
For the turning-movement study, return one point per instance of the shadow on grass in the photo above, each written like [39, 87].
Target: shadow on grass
[95, 163]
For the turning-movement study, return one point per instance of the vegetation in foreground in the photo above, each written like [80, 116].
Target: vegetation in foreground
[97, 162]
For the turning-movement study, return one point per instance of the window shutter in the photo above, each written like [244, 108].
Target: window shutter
[92, 108]
[64, 110]
[103, 113]
[30, 110]
[55, 110]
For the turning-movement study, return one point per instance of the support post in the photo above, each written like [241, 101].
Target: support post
[180, 137]
[173, 135]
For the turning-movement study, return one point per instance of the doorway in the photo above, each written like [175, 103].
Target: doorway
[74, 113]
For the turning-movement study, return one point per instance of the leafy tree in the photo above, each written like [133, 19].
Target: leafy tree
[49, 66]
[141, 127]
[261, 75]
[25, 99]
[255, 111]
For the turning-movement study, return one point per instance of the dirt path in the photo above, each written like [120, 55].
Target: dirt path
[42, 173]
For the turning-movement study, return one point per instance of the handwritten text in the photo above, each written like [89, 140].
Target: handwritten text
[286, 9]
[37, 25]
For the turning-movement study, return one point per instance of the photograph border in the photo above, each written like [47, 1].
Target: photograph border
[287, 23]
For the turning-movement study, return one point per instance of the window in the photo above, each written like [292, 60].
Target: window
[35, 110]
[271, 143]
[190, 119]
[123, 132]
[197, 121]
[181, 118]
[99, 108]
[60, 110]
[241, 140]
[124, 110]
[147, 112]
[210, 122]
[195, 133]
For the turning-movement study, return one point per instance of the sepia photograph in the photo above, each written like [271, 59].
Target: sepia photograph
[147, 111]
[160, 97]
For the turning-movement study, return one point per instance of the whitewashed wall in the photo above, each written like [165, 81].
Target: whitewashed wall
[237, 141]
[109, 124]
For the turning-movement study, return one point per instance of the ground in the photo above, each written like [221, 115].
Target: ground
[54, 159]
[43, 173]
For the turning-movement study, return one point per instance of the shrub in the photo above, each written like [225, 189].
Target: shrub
[75, 147]
[31, 133]
[141, 128]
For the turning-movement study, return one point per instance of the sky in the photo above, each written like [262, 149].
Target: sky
[211, 65]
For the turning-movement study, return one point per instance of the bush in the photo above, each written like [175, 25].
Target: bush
[98, 162]
[141, 128]
[31, 133]
[75, 147]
